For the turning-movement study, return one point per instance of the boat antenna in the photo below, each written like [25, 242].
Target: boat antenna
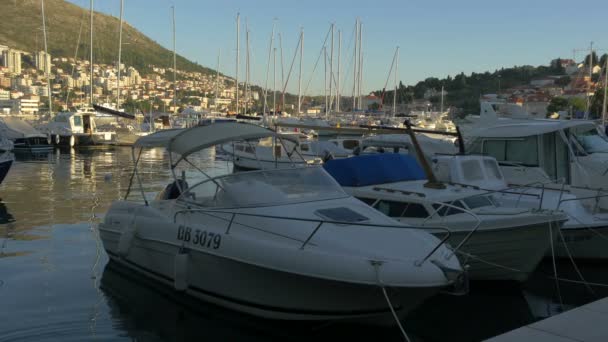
[432, 183]
[460, 141]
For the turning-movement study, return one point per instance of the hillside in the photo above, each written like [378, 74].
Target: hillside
[20, 28]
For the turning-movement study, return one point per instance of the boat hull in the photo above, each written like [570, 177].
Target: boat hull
[582, 243]
[95, 139]
[261, 291]
[5, 166]
[506, 254]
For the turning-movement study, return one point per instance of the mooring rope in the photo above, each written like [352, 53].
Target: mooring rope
[376, 265]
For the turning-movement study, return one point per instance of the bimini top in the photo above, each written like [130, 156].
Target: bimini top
[373, 169]
[512, 128]
[190, 140]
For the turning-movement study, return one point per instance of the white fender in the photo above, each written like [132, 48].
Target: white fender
[180, 277]
[49, 139]
[57, 139]
[72, 141]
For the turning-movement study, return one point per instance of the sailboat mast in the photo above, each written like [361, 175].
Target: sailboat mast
[274, 83]
[325, 80]
[174, 64]
[360, 80]
[46, 59]
[238, 24]
[355, 64]
[605, 93]
[282, 71]
[396, 73]
[119, 56]
[246, 65]
[217, 78]
[338, 76]
[91, 56]
[331, 64]
[268, 70]
[300, 73]
[589, 83]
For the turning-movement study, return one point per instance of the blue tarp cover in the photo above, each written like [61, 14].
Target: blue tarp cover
[374, 169]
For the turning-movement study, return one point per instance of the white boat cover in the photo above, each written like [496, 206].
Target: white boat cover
[16, 128]
[525, 128]
[187, 141]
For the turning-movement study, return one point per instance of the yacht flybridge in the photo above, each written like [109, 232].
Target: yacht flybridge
[282, 243]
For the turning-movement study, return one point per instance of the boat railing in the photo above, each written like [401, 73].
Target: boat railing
[319, 224]
[442, 205]
[597, 198]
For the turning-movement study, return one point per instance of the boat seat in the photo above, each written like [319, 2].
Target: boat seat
[172, 191]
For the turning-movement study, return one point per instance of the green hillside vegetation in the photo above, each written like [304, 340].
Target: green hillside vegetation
[463, 91]
[21, 28]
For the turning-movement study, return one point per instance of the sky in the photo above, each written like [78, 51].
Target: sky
[435, 38]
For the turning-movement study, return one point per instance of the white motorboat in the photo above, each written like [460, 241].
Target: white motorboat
[570, 152]
[283, 243]
[585, 233]
[497, 242]
[77, 129]
[269, 153]
[24, 137]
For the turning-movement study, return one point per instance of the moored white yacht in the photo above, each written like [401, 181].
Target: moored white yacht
[497, 242]
[585, 233]
[282, 243]
[77, 129]
[270, 153]
[554, 152]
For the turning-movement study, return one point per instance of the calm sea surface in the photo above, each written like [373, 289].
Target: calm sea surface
[56, 283]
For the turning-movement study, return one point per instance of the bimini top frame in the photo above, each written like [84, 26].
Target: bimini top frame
[184, 142]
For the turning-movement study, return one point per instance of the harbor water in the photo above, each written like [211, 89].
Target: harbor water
[56, 283]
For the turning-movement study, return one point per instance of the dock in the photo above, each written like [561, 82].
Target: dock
[586, 323]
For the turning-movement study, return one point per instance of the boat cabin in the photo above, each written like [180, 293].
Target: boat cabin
[573, 151]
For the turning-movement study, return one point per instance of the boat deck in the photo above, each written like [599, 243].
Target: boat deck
[586, 323]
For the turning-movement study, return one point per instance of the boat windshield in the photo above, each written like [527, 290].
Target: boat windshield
[265, 187]
[590, 139]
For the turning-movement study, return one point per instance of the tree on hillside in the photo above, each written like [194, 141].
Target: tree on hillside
[557, 104]
[578, 104]
[594, 58]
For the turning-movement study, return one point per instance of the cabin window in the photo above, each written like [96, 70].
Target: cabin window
[240, 148]
[350, 144]
[443, 210]
[495, 148]
[77, 121]
[249, 149]
[478, 202]
[471, 169]
[492, 168]
[341, 214]
[590, 139]
[304, 147]
[519, 151]
[368, 201]
[555, 156]
[401, 209]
